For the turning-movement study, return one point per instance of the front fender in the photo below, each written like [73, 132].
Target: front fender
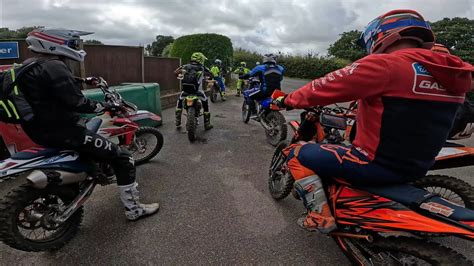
[143, 115]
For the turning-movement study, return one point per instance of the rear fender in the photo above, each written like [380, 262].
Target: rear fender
[453, 157]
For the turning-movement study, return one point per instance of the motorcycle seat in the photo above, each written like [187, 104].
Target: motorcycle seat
[34, 152]
[94, 124]
[423, 200]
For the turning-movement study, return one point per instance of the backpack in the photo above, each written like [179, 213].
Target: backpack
[191, 78]
[14, 108]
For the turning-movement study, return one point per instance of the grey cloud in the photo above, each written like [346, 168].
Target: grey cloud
[260, 25]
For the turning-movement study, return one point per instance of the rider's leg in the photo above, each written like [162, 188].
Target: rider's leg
[239, 86]
[179, 110]
[255, 94]
[205, 108]
[221, 84]
[310, 161]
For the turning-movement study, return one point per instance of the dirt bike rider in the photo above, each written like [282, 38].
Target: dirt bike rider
[270, 75]
[218, 73]
[408, 96]
[463, 126]
[194, 75]
[241, 70]
[56, 98]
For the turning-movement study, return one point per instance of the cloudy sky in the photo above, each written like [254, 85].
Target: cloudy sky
[294, 26]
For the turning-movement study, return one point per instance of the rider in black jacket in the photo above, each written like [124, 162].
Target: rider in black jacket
[56, 98]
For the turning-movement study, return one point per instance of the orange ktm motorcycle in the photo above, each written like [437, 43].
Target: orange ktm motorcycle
[378, 225]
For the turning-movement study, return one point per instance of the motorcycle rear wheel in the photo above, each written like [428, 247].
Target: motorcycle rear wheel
[449, 188]
[27, 208]
[191, 123]
[398, 251]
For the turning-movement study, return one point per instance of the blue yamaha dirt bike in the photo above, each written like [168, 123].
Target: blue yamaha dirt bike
[265, 112]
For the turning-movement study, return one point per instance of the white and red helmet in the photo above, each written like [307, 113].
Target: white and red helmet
[60, 42]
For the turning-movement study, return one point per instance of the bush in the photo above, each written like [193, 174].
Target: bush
[212, 45]
[307, 67]
[304, 67]
[242, 55]
[167, 50]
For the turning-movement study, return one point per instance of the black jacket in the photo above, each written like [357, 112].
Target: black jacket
[54, 94]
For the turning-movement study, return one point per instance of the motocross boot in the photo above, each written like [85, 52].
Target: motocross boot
[134, 209]
[207, 121]
[223, 96]
[178, 117]
[319, 215]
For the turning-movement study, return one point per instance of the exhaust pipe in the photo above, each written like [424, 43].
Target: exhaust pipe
[41, 178]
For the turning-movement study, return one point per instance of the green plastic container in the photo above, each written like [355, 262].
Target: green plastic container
[144, 95]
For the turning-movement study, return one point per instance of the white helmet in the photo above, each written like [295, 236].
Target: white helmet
[218, 62]
[61, 42]
[269, 59]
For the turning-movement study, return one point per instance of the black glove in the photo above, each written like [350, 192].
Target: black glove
[92, 81]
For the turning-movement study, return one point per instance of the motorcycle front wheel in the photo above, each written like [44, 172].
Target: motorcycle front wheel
[147, 144]
[280, 180]
[277, 127]
[26, 218]
[245, 112]
[214, 92]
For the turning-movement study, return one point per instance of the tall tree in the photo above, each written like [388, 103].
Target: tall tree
[157, 46]
[346, 46]
[458, 35]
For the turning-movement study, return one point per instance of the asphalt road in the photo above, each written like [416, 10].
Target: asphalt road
[215, 207]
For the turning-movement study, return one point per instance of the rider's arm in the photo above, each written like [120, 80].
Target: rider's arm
[66, 89]
[254, 72]
[364, 78]
[178, 71]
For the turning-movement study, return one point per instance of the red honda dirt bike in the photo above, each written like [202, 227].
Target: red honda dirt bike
[120, 126]
[376, 225]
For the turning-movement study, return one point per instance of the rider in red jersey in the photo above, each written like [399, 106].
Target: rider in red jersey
[408, 96]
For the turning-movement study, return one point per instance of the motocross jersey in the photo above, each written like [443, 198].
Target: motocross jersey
[55, 95]
[270, 76]
[407, 103]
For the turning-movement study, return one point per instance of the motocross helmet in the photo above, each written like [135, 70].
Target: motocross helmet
[60, 42]
[396, 25]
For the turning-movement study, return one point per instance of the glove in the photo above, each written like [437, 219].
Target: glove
[92, 81]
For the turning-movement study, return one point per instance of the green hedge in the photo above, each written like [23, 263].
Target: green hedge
[310, 67]
[212, 45]
[304, 67]
[241, 55]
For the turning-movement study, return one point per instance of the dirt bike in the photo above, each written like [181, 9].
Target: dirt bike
[120, 127]
[215, 91]
[265, 112]
[45, 213]
[193, 107]
[377, 225]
